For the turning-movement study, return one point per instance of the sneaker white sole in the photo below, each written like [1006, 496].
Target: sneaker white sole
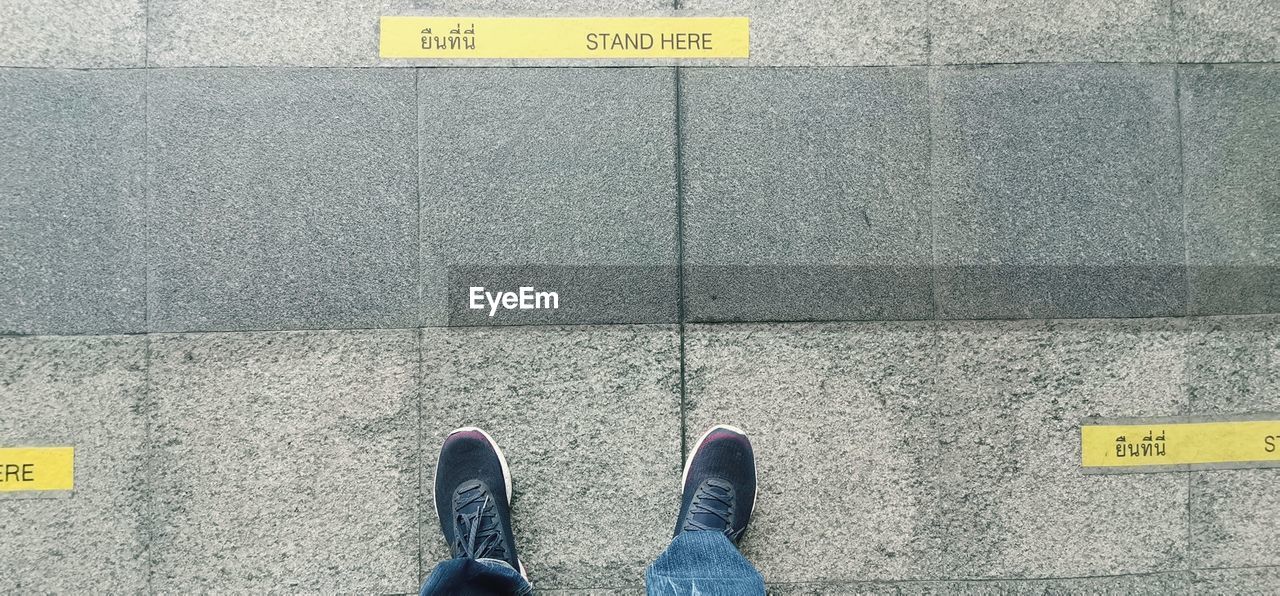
[506, 475]
[684, 477]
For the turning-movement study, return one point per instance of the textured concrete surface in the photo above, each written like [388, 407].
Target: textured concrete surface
[1234, 368]
[826, 32]
[806, 194]
[589, 419]
[85, 393]
[282, 199]
[73, 33]
[281, 33]
[71, 201]
[1005, 31]
[562, 179]
[1056, 192]
[284, 461]
[1227, 30]
[1007, 492]
[1230, 123]
[926, 450]
[1259, 581]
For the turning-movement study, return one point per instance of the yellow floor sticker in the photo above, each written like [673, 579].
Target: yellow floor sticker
[1184, 443]
[549, 38]
[37, 468]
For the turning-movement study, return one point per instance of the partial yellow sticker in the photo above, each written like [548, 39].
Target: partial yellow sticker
[37, 468]
[579, 38]
[1181, 444]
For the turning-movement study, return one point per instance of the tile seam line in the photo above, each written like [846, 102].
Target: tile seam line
[148, 471]
[837, 582]
[667, 325]
[681, 315]
[419, 336]
[623, 66]
[1186, 278]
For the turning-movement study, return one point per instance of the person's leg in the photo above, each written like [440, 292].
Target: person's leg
[719, 491]
[472, 499]
[475, 577]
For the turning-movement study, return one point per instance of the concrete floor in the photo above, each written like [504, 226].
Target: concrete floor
[908, 245]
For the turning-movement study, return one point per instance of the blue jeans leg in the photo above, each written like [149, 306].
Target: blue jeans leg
[703, 563]
[475, 577]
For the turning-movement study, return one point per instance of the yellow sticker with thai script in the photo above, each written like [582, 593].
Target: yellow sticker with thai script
[555, 37]
[1180, 443]
[37, 468]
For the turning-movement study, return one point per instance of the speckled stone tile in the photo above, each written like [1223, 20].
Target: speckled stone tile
[555, 179]
[1008, 498]
[1259, 581]
[1012, 31]
[945, 450]
[1227, 30]
[86, 393]
[72, 167]
[1230, 123]
[806, 194]
[284, 461]
[589, 419]
[1234, 368]
[828, 408]
[281, 33]
[73, 33]
[282, 199]
[1056, 192]
[826, 32]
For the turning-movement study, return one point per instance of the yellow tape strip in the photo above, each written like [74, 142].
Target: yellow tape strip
[525, 37]
[1179, 443]
[37, 468]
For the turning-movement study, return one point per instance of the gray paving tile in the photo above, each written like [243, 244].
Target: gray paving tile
[282, 199]
[557, 179]
[1230, 122]
[284, 461]
[846, 390]
[282, 33]
[1149, 583]
[1227, 30]
[71, 190]
[73, 33]
[1234, 368]
[948, 451]
[1239, 582]
[1005, 31]
[827, 32]
[1056, 192]
[806, 194]
[589, 419]
[1009, 498]
[87, 393]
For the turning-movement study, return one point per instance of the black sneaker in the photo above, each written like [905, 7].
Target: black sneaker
[719, 484]
[473, 498]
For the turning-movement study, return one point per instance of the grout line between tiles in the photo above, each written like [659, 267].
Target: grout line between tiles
[417, 457]
[680, 304]
[148, 522]
[931, 91]
[146, 201]
[419, 314]
[1182, 190]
